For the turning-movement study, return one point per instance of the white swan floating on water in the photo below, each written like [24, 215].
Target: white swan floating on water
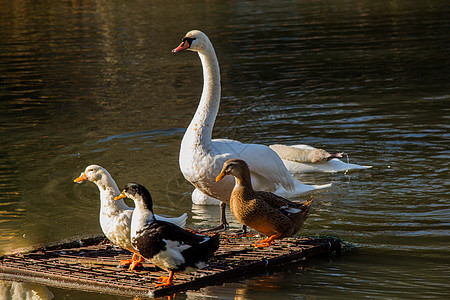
[201, 158]
[297, 159]
[202, 124]
[304, 158]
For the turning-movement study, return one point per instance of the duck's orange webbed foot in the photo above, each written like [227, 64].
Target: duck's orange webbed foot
[266, 242]
[127, 262]
[165, 281]
[135, 262]
[261, 244]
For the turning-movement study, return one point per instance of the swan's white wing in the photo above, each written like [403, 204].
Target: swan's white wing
[260, 159]
[303, 147]
[299, 159]
[300, 189]
[331, 166]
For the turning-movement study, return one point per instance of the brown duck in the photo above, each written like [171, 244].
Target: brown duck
[265, 212]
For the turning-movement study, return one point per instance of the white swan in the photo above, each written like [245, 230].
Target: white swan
[297, 159]
[304, 158]
[115, 215]
[201, 158]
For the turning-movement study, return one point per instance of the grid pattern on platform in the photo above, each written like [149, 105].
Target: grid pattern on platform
[95, 267]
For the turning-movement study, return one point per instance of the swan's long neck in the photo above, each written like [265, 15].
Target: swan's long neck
[201, 126]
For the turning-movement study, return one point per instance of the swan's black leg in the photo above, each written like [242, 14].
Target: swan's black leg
[241, 232]
[223, 217]
[223, 220]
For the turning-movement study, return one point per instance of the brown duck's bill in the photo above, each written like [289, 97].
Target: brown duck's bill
[220, 176]
[183, 46]
[121, 196]
[81, 178]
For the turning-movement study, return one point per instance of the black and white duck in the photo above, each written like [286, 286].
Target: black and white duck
[168, 246]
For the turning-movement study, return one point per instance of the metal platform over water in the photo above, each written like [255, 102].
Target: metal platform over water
[90, 264]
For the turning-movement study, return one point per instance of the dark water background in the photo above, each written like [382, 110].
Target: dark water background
[85, 82]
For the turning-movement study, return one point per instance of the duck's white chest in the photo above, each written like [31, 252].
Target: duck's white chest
[116, 227]
[140, 220]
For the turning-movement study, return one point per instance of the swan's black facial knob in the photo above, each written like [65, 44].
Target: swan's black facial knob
[185, 44]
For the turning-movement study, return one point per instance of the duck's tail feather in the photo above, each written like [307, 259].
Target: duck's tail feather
[179, 221]
[198, 256]
[300, 217]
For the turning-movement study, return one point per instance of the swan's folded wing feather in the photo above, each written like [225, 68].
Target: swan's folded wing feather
[264, 161]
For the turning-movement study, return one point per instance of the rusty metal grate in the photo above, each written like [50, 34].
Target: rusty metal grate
[90, 264]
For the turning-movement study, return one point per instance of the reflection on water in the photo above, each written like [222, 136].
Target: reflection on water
[256, 288]
[24, 291]
[95, 83]
[11, 212]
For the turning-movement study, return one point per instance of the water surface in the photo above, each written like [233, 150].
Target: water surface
[85, 82]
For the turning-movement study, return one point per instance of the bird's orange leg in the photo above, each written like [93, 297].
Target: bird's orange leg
[126, 262]
[267, 241]
[165, 281]
[135, 263]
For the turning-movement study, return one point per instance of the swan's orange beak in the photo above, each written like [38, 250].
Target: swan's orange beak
[81, 178]
[121, 196]
[220, 176]
[183, 46]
